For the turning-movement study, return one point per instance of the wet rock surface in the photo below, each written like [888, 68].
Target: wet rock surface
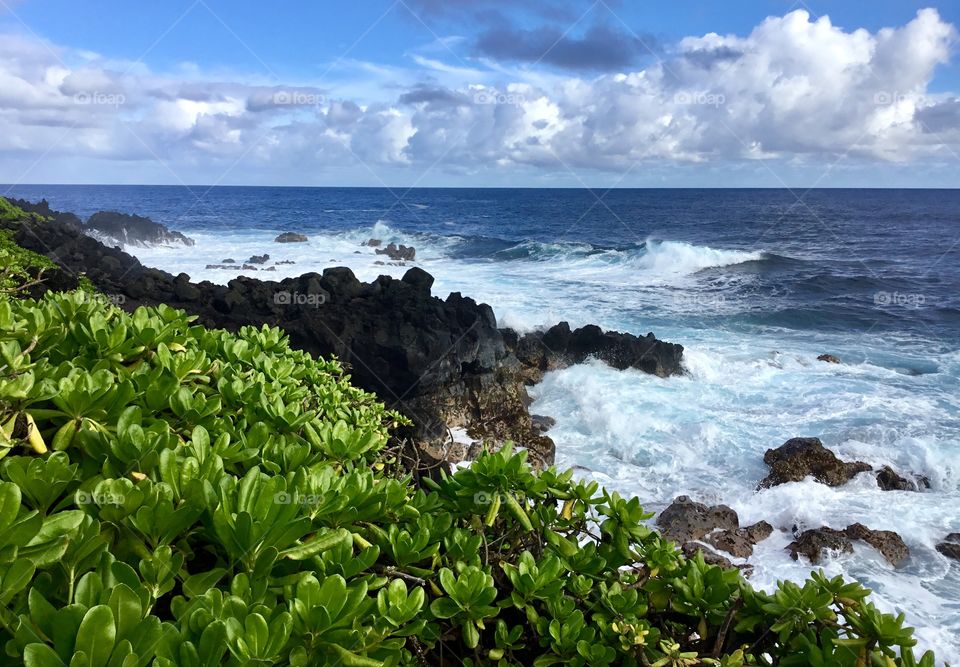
[813, 543]
[829, 358]
[889, 480]
[398, 253]
[291, 237]
[799, 458]
[950, 547]
[688, 522]
[134, 230]
[442, 362]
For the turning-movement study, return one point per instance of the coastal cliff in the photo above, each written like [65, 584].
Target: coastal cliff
[444, 363]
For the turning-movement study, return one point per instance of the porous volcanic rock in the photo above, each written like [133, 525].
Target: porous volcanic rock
[799, 458]
[291, 237]
[397, 253]
[689, 522]
[134, 230]
[813, 542]
[442, 362]
[889, 480]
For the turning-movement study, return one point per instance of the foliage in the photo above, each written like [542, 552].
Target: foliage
[17, 265]
[174, 495]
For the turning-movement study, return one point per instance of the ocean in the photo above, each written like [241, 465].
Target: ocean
[754, 283]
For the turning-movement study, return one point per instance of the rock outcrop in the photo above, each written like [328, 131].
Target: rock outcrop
[291, 237]
[558, 347]
[397, 253]
[258, 259]
[799, 458]
[718, 526]
[829, 358]
[889, 480]
[133, 230]
[442, 362]
[814, 542]
[950, 547]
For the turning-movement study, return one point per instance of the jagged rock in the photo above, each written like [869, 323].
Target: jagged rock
[398, 253]
[442, 362]
[559, 347]
[373, 243]
[887, 542]
[812, 543]
[829, 358]
[889, 480]
[42, 208]
[949, 549]
[542, 423]
[291, 237]
[740, 542]
[685, 520]
[132, 230]
[799, 458]
[258, 259]
[249, 267]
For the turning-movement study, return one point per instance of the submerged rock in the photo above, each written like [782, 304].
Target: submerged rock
[132, 230]
[829, 358]
[812, 543]
[291, 237]
[799, 458]
[559, 347]
[373, 243]
[889, 480]
[398, 253]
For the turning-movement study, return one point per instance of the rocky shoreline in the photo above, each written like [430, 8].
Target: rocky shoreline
[443, 362]
[447, 365]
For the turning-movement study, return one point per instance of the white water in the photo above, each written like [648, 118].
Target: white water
[703, 435]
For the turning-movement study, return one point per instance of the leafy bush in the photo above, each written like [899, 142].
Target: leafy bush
[173, 495]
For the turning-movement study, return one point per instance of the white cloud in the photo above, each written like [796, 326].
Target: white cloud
[794, 89]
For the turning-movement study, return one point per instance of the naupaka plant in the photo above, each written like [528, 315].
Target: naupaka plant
[177, 495]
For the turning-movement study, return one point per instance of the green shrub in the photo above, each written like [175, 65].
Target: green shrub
[173, 495]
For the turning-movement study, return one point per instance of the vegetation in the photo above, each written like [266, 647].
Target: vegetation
[175, 495]
[18, 266]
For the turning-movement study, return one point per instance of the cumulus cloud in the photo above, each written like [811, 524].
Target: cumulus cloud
[793, 89]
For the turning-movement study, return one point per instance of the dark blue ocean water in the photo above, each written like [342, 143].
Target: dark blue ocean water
[856, 260]
[754, 283]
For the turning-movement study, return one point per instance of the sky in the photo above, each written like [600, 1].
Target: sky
[499, 93]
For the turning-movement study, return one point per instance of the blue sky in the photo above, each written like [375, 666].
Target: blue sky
[480, 92]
